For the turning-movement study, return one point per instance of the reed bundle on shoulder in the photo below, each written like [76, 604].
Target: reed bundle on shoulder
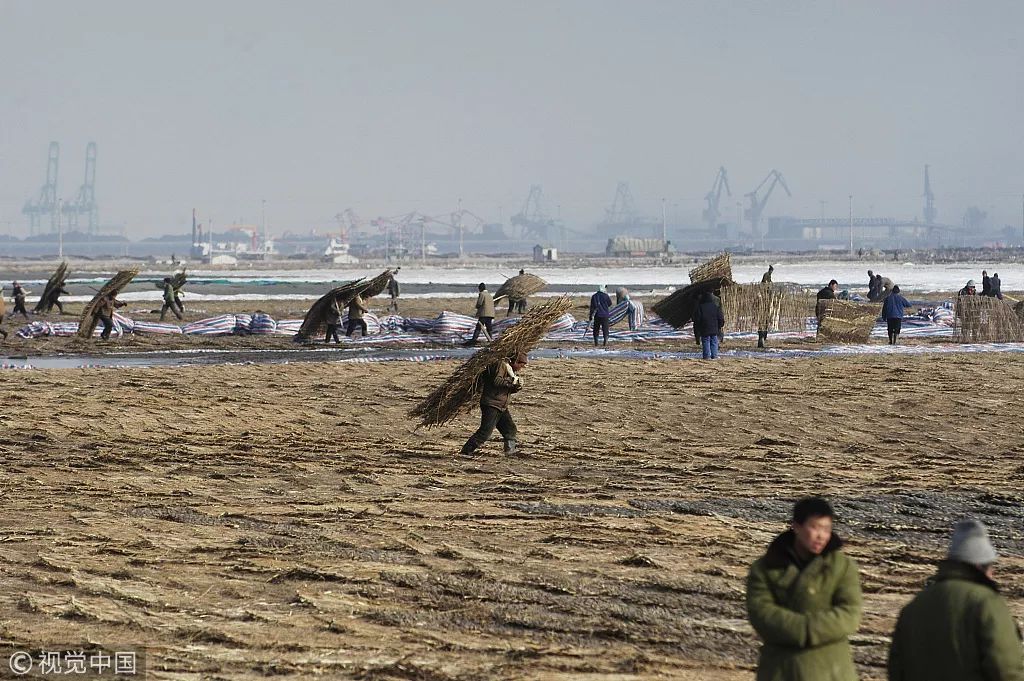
[462, 390]
[57, 280]
[89, 319]
[678, 307]
[377, 285]
[520, 286]
[313, 323]
[719, 267]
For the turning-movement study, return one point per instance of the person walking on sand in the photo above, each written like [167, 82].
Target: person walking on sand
[825, 294]
[804, 600]
[332, 319]
[600, 310]
[19, 299]
[521, 303]
[356, 309]
[394, 290]
[500, 381]
[169, 302]
[105, 313]
[53, 299]
[484, 314]
[959, 628]
[892, 313]
[708, 322]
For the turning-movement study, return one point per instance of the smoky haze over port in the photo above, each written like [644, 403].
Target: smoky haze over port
[393, 107]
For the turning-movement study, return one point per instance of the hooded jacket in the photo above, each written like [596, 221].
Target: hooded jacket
[600, 305]
[708, 319]
[804, 616]
[958, 629]
[893, 306]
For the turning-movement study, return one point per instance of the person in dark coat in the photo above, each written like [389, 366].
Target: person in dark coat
[169, 302]
[708, 322]
[484, 314]
[996, 286]
[19, 299]
[825, 294]
[105, 313]
[872, 287]
[986, 284]
[500, 382]
[969, 289]
[54, 299]
[394, 290]
[959, 628]
[600, 309]
[804, 600]
[333, 320]
[766, 278]
[892, 313]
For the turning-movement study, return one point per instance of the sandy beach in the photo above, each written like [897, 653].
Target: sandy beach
[247, 521]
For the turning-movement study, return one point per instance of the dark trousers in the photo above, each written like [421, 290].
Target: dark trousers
[108, 326]
[486, 323]
[332, 332]
[50, 304]
[19, 306]
[352, 326]
[491, 417]
[169, 306]
[894, 330]
[601, 326]
[762, 337]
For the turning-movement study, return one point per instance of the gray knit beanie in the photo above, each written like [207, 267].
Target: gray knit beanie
[970, 544]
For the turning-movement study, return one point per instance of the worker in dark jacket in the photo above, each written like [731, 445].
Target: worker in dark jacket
[105, 313]
[996, 286]
[600, 310]
[394, 290]
[825, 294]
[766, 278]
[804, 601]
[959, 627]
[499, 382]
[333, 319]
[356, 309]
[169, 302]
[892, 313]
[19, 300]
[54, 299]
[872, 287]
[986, 284]
[708, 322]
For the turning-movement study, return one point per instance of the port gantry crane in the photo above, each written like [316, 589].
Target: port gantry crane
[757, 204]
[711, 213]
[531, 220]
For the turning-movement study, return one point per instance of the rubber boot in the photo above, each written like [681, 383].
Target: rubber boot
[468, 449]
[510, 447]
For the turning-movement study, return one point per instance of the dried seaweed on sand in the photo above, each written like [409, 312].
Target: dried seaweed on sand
[520, 286]
[313, 323]
[719, 267]
[57, 279]
[459, 393]
[87, 322]
[844, 321]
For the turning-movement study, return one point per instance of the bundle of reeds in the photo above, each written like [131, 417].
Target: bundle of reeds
[313, 323]
[87, 322]
[763, 307]
[719, 267]
[57, 279]
[377, 285]
[520, 287]
[981, 319]
[844, 321]
[677, 308]
[460, 392]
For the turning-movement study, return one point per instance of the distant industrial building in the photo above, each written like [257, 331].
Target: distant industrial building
[789, 233]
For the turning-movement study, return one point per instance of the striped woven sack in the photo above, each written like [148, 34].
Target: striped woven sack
[451, 324]
[262, 324]
[288, 327]
[418, 324]
[34, 330]
[156, 327]
[127, 324]
[221, 325]
[63, 329]
[564, 323]
[372, 323]
[242, 322]
[618, 313]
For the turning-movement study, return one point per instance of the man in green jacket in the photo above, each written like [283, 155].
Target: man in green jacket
[959, 628]
[803, 600]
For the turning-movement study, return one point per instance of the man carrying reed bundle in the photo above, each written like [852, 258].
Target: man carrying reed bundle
[332, 319]
[499, 382]
[169, 301]
[356, 309]
[105, 312]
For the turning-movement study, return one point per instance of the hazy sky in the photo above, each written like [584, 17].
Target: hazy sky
[387, 107]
